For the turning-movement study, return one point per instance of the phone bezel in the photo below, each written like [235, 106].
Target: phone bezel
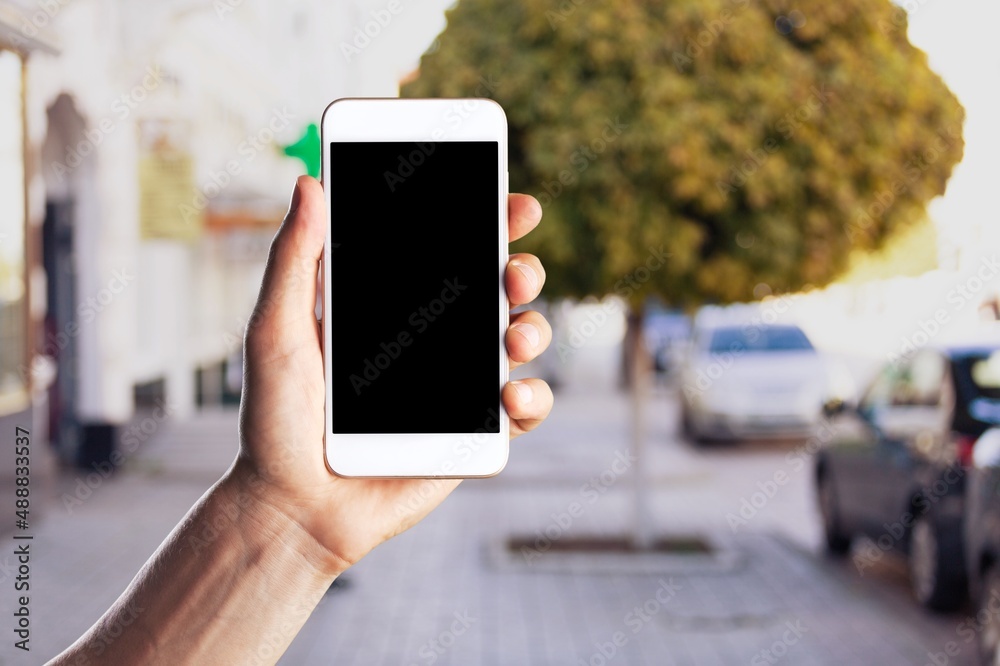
[418, 455]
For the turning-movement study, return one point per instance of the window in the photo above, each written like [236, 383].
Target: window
[13, 310]
[759, 339]
[880, 391]
[920, 383]
[985, 372]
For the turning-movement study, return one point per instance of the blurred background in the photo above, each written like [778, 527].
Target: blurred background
[771, 236]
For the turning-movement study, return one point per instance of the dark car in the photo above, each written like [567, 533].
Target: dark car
[894, 467]
[982, 538]
[666, 332]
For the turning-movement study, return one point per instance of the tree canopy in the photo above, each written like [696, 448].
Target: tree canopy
[749, 141]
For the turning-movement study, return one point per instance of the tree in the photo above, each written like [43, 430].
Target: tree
[751, 143]
[701, 150]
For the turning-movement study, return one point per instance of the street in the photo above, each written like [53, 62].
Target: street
[752, 590]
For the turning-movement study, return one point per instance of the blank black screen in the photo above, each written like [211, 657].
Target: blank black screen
[414, 305]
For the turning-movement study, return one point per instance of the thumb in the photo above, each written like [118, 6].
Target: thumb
[284, 316]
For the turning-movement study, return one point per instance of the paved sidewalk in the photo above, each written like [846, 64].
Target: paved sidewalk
[444, 593]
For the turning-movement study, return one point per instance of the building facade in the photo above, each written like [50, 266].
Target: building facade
[143, 177]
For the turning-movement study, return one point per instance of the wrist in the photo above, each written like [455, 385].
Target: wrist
[270, 519]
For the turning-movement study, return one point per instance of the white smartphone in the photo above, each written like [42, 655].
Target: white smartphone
[414, 307]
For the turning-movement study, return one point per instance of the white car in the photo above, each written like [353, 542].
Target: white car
[743, 381]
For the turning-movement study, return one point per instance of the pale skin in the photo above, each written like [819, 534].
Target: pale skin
[238, 577]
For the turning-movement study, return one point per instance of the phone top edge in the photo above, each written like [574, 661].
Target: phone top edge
[386, 119]
[406, 101]
[340, 100]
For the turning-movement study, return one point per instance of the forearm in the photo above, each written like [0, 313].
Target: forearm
[233, 583]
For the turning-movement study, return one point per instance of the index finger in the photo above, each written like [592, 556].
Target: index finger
[523, 214]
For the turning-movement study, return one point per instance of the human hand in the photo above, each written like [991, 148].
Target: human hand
[280, 464]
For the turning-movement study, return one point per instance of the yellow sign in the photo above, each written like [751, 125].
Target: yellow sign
[166, 191]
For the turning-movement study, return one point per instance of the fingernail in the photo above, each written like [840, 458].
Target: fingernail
[296, 195]
[524, 392]
[538, 208]
[528, 272]
[530, 333]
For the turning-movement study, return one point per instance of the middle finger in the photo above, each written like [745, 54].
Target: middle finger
[523, 278]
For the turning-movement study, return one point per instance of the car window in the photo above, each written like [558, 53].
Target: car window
[985, 374]
[759, 338]
[920, 382]
[879, 392]
[977, 380]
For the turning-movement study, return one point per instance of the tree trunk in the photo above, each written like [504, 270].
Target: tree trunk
[637, 365]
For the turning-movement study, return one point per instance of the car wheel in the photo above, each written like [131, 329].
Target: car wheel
[933, 577]
[989, 632]
[837, 542]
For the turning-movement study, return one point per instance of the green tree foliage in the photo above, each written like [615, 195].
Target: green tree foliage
[754, 141]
